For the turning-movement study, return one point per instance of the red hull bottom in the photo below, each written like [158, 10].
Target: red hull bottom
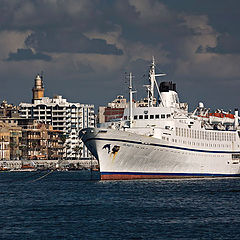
[133, 177]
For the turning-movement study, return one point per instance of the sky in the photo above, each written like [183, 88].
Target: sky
[86, 48]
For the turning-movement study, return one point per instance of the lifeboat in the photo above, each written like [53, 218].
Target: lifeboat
[221, 118]
[216, 117]
[229, 118]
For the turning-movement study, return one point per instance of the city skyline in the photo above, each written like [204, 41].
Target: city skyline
[85, 47]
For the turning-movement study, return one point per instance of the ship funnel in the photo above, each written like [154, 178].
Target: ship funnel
[169, 94]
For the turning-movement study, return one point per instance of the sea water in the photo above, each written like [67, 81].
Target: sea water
[76, 205]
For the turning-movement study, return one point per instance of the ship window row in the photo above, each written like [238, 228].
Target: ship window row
[156, 116]
[198, 134]
[198, 143]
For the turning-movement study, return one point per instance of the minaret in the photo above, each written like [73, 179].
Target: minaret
[38, 89]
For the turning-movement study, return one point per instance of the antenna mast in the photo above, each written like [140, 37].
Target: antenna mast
[130, 100]
[152, 80]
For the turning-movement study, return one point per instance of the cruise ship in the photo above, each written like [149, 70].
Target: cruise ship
[164, 140]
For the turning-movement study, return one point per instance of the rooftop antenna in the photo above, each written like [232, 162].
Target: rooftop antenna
[41, 76]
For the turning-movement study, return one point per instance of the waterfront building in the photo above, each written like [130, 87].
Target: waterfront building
[10, 136]
[4, 141]
[8, 110]
[114, 110]
[40, 141]
[64, 116]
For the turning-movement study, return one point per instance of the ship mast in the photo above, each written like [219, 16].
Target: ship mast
[152, 80]
[130, 100]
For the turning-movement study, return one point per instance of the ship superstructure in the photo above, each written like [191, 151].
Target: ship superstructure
[165, 140]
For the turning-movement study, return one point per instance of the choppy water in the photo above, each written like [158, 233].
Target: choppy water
[68, 205]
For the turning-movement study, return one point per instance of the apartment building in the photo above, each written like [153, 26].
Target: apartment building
[64, 116]
[40, 141]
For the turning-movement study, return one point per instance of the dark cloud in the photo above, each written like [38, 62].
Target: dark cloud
[27, 55]
[83, 15]
[223, 16]
[69, 42]
[226, 44]
[117, 36]
[58, 26]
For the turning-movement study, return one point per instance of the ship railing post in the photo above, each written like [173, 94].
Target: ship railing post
[236, 118]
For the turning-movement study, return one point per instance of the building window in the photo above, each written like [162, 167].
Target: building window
[145, 116]
[135, 117]
[162, 116]
[151, 116]
[157, 116]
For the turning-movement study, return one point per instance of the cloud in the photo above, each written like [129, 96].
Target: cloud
[10, 41]
[92, 43]
[69, 42]
[27, 55]
[48, 14]
[226, 44]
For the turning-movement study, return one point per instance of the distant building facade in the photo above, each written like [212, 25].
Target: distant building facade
[114, 110]
[8, 110]
[4, 141]
[40, 141]
[64, 116]
[10, 137]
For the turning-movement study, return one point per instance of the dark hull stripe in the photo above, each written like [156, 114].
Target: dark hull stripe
[140, 175]
[159, 145]
[172, 174]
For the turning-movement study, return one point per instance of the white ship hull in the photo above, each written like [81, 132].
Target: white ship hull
[125, 155]
[163, 139]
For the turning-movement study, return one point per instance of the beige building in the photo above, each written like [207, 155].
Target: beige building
[8, 110]
[4, 141]
[40, 141]
[10, 135]
[114, 110]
